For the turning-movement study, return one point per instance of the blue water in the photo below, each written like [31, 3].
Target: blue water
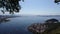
[19, 25]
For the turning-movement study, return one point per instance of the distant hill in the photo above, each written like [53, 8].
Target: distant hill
[48, 15]
[8, 16]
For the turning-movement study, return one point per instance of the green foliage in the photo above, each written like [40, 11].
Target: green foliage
[10, 5]
[57, 1]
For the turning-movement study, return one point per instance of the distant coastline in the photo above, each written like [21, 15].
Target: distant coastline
[8, 16]
[49, 15]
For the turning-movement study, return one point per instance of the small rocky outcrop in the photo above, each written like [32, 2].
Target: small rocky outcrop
[4, 20]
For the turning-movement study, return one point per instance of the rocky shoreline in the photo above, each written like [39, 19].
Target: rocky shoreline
[44, 28]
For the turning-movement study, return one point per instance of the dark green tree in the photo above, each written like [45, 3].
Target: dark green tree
[11, 6]
[57, 1]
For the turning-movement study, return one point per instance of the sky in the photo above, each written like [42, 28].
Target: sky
[39, 7]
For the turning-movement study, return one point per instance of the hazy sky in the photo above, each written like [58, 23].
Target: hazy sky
[40, 7]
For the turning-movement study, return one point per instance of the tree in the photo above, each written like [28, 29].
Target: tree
[57, 1]
[11, 6]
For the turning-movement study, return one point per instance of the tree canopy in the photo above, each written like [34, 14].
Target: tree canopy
[57, 1]
[11, 6]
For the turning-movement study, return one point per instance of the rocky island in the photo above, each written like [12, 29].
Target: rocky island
[50, 26]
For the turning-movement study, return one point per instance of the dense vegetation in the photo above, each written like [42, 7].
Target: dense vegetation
[57, 1]
[11, 6]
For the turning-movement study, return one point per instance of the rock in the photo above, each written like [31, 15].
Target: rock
[4, 20]
[37, 28]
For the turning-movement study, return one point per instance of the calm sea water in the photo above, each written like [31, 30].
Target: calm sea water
[19, 25]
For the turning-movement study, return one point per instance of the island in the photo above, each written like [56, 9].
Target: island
[51, 26]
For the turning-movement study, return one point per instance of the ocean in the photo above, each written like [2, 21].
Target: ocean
[20, 24]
